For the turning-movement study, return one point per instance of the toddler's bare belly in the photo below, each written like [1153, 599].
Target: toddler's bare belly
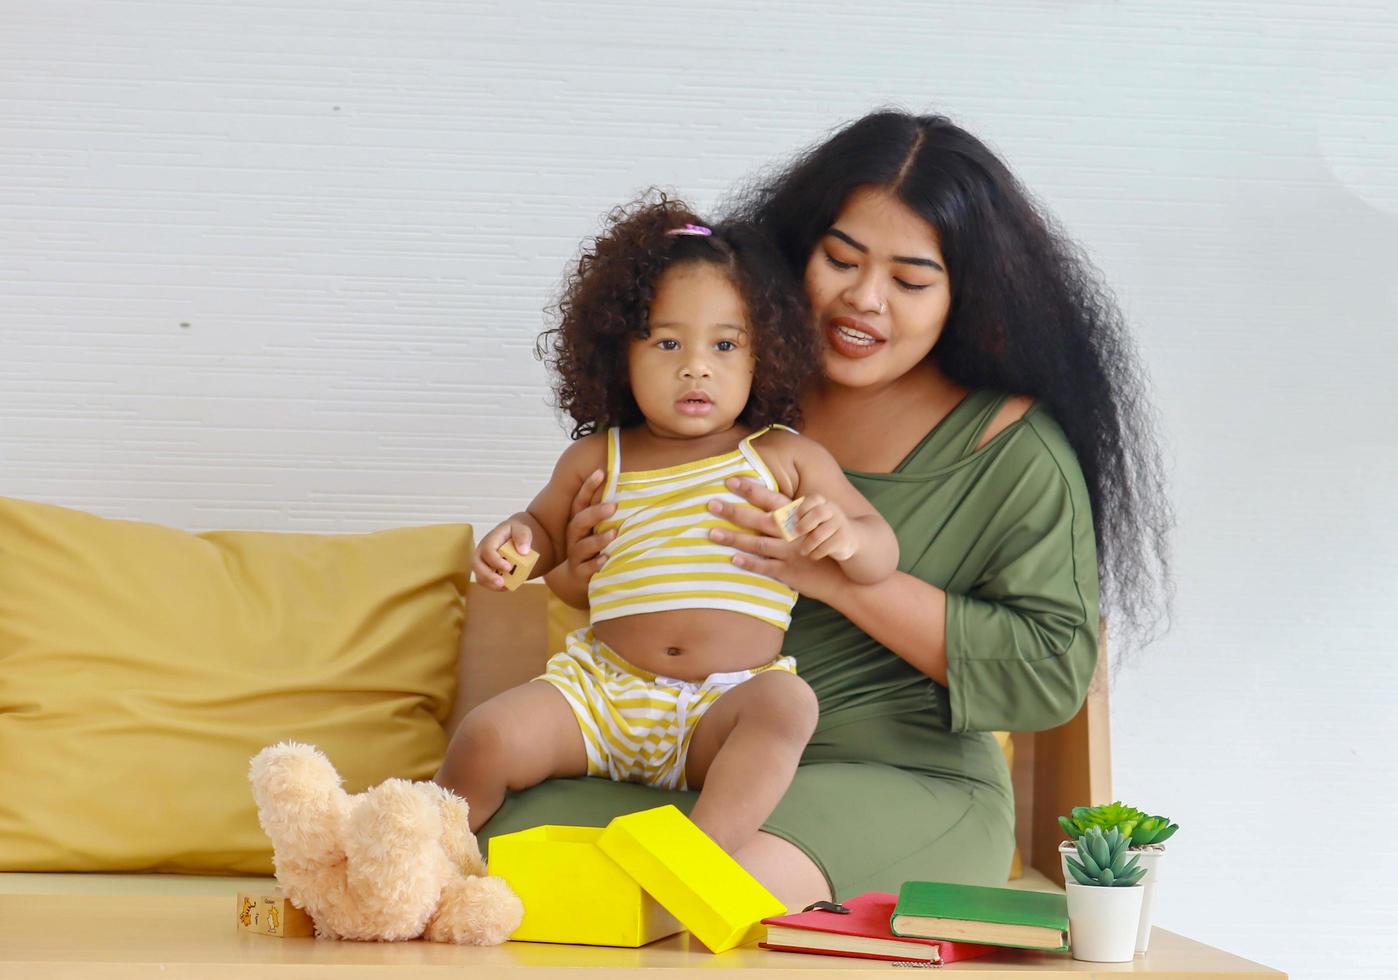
[691, 644]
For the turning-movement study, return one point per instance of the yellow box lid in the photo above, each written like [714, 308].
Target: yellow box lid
[691, 876]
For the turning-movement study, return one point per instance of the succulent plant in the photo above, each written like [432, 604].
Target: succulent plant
[1102, 860]
[1140, 828]
[1152, 830]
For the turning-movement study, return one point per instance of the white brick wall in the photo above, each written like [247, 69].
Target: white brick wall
[280, 265]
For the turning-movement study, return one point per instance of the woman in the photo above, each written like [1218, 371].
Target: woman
[979, 390]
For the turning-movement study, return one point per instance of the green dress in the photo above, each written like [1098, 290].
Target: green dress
[902, 779]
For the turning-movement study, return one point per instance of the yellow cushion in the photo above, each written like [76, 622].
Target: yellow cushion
[1007, 746]
[141, 667]
[563, 619]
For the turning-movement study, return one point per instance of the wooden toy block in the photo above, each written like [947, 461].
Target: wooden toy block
[272, 914]
[785, 516]
[691, 876]
[573, 893]
[523, 565]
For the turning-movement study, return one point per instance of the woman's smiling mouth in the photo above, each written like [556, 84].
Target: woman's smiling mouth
[853, 338]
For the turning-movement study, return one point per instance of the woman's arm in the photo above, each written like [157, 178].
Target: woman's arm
[1018, 655]
[905, 614]
[1004, 666]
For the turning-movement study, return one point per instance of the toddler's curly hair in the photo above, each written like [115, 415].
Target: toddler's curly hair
[606, 302]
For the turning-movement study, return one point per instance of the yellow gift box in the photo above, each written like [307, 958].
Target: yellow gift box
[628, 884]
[573, 893]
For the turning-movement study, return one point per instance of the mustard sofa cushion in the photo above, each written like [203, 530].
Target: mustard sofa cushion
[141, 667]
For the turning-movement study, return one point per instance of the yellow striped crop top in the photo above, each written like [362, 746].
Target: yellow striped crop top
[662, 558]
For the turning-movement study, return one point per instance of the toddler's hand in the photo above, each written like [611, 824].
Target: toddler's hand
[821, 530]
[489, 565]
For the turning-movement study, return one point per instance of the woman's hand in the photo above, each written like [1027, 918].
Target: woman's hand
[766, 552]
[585, 555]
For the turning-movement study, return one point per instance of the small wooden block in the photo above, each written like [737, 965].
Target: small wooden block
[524, 564]
[272, 914]
[785, 517]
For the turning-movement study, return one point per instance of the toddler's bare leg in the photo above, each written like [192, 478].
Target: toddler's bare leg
[744, 754]
[515, 740]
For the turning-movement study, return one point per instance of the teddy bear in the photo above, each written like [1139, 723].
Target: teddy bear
[397, 861]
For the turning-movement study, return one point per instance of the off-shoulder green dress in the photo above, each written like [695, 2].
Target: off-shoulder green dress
[902, 779]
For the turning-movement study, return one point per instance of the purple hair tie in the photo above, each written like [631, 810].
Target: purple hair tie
[691, 230]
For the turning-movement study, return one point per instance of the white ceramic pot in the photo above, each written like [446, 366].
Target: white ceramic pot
[1150, 860]
[1102, 922]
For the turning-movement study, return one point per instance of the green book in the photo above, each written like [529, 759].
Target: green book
[976, 914]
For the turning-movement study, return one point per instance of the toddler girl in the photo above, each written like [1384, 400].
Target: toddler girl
[681, 353]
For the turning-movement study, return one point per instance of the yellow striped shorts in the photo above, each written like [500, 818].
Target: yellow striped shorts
[637, 725]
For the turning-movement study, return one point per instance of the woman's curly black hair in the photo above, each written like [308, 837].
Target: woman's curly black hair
[606, 305]
[1029, 315]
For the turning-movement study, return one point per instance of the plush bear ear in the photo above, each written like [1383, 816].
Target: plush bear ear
[300, 803]
[290, 770]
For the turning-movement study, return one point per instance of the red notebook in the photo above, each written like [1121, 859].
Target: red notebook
[863, 932]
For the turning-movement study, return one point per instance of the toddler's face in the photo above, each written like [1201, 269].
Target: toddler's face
[692, 372]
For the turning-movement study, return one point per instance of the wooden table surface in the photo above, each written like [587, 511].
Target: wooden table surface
[88, 936]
